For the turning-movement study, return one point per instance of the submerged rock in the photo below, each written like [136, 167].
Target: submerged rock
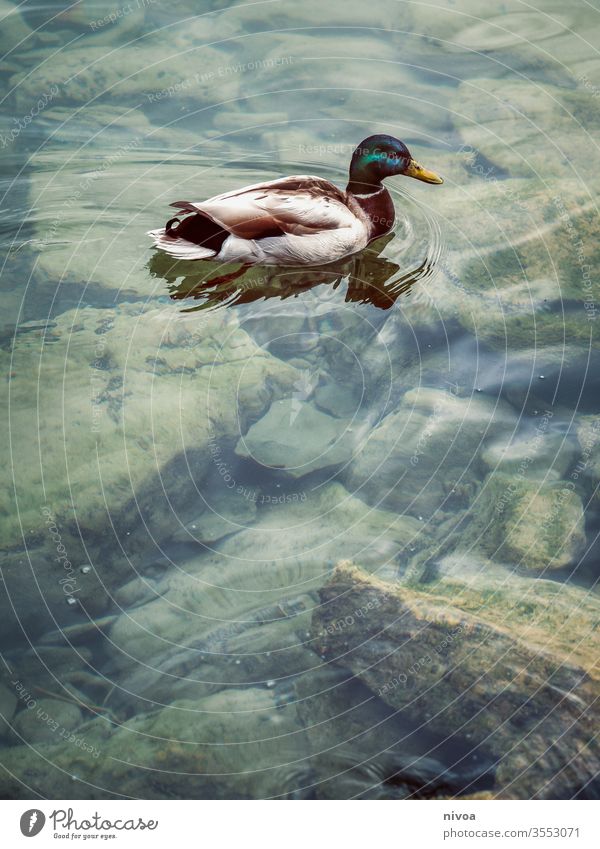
[535, 44]
[426, 454]
[294, 435]
[490, 664]
[191, 749]
[517, 278]
[588, 436]
[223, 514]
[92, 242]
[542, 453]
[528, 129]
[520, 238]
[249, 622]
[84, 74]
[361, 748]
[101, 24]
[47, 721]
[130, 410]
[109, 132]
[528, 523]
[356, 15]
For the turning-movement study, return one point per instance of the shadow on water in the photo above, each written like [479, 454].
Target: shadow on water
[367, 278]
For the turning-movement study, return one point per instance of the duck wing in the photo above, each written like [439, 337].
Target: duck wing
[298, 205]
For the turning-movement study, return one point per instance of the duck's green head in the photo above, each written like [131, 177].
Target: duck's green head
[381, 156]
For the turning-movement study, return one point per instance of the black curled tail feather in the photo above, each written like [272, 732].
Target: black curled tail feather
[169, 227]
[198, 229]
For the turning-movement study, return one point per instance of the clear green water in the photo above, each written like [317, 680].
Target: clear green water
[186, 463]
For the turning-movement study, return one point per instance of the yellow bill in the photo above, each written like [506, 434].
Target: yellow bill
[419, 173]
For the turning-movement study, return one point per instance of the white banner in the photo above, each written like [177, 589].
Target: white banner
[287, 825]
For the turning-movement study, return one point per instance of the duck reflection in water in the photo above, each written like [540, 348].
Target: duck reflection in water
[370, 278]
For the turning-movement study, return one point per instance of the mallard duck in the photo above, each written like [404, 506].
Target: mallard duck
[295, 221]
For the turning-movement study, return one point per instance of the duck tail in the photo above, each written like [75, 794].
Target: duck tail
[165, 239]
[195, 236]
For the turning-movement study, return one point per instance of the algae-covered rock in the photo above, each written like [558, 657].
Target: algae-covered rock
[517, 270]
[454, 25]
[426, 454]
[541, 453]
[528, 129]
[315, 14]
[199, 635]
[191, 749]
[46, 720]
[102, 136]
[308, 528]
[124, 404]
[142, 72]
[381, 84]
[511, 684]
[527, 522]
[101, 24]
[512, 237]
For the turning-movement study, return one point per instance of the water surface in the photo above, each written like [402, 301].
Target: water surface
[193, 463]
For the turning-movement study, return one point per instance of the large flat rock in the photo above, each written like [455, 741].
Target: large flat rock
[493, 664]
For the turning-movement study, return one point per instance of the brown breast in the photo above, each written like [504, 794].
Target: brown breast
[378, 208]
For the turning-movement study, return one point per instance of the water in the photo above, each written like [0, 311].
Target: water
[192, 464]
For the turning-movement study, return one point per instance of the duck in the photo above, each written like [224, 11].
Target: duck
[300, 220]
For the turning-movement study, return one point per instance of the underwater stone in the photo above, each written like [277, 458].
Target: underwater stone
[337, 400]
[44, 722]
[527, 523]
[512, 41]
[135, 592]
[42, 665]
[417, 459]
[360, 748]
[480, 675]
[327, 16]
[139, 385]
[526, 240]
[81, 632]
[205, 615]
[294, 435]
[84, 74]
[539, 453]
[100, 24]
[529, 129]
[89, 246]
[517, 277]
[311, 528]
[224, 513]
[176, 753]
[588, 436]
